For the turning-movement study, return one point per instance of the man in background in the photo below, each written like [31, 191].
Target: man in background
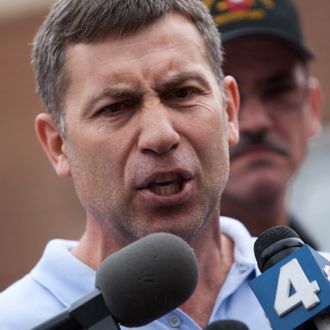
[279, 111]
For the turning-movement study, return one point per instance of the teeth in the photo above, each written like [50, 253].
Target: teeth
[169, 189]
[166, 178]
[167, 184]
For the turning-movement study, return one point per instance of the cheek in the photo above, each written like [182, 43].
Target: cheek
[214, 153]
[298, 135]
[299, 149]
[214, 141]
[93, 166]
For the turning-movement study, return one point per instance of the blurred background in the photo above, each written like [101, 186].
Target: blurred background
[36, 206]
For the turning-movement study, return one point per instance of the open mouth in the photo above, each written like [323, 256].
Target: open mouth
[167, 184]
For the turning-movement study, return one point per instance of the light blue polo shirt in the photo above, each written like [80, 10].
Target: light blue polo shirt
[59, 279]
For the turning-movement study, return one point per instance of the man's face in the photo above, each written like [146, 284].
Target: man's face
[276, 117]
[147, 134]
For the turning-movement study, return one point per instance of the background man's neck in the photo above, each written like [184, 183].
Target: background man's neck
[257, 217]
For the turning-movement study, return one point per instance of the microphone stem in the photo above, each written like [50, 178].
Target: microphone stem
[61, 321]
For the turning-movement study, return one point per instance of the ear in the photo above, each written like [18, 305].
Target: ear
[232, 108]
[50, 137]
[314, 108]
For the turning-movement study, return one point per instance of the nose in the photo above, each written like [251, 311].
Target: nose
[253, 117]
[158, 134]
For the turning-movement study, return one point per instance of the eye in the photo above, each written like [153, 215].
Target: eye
[278, 89]
[181, 93]
[119, 107]
[113, 108]
[286, 96]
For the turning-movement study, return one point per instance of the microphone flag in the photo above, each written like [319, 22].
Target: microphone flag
[294, 290]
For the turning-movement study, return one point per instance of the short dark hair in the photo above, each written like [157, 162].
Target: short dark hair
[83, 21]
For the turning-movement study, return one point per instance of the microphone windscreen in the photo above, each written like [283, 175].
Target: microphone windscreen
[227, 325]
[274, 244]
[270, 236]
[148, 278]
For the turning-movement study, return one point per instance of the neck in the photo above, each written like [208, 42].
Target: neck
[96, 244]
[257, 216]
[213, 250]
[215, 255]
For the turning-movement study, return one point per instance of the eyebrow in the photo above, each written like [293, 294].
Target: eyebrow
[284, 76]
[123, 90]
[115, 92]
[179, 79]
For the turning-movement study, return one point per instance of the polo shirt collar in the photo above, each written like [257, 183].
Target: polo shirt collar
[63, 274]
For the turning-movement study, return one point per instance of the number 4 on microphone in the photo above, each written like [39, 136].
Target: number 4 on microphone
[295, 290]
[292, 276]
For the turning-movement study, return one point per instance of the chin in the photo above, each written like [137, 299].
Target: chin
[266, 191]
[268, 182]
[257, 191]
[174, 225]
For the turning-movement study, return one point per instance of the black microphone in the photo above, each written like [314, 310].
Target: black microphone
[227, 325]
[274, 244]
[293, 289]
[135, 286]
